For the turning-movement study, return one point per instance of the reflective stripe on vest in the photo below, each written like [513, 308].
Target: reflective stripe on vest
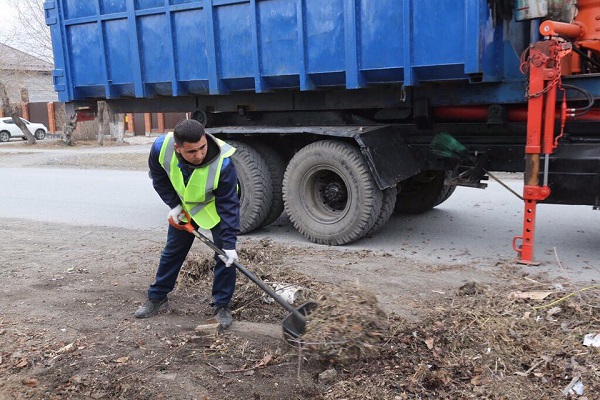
[197, 196]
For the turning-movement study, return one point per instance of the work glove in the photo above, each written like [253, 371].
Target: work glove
[229, 258]
[174, 214]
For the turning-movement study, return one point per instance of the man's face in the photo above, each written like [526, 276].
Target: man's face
[193, 153]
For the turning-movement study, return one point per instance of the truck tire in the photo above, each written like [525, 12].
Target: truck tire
[387, 209]
[200, 115]
[423, 192]
[329, 193]
[254, 183]
[276, 166]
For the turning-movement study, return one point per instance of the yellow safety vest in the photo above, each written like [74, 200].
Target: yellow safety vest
[197, 196]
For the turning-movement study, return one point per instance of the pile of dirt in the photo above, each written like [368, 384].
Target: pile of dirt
[484, 341]
[346, 326]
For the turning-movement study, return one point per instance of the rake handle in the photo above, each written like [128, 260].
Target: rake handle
[188, 227]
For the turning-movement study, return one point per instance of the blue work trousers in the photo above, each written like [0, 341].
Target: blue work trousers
[173, 255]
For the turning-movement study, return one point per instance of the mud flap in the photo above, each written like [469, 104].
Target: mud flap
[389, 157]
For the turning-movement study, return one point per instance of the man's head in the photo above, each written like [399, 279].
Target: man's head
[190, 141]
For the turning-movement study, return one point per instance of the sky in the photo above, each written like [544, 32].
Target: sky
[8, 17]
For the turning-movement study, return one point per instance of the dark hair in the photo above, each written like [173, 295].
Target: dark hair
[188, 130]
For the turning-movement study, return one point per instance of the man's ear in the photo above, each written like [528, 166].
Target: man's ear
[177, 149]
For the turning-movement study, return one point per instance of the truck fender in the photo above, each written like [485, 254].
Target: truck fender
[389, 157]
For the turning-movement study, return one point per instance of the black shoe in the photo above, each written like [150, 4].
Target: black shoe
[223, 314]
[151, 307]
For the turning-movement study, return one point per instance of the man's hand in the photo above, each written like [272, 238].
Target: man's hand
[231, 257]
[174, 214]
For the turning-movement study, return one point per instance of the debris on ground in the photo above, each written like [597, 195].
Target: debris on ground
[491, 345]
[520, 342]
[347, 326]
[264, 260]
[67, 331]
[591, 340]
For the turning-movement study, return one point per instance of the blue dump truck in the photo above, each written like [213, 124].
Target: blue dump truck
[333, 104]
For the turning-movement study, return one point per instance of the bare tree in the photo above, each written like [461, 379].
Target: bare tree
[103, 121]
[14, 111]
[68, 129]
[31, 34]
[30, 31]
[111, 122]
[117, 126]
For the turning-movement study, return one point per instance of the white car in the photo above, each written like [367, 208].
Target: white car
[8, 130]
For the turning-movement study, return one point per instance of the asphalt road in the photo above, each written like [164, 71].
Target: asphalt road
[472, 226]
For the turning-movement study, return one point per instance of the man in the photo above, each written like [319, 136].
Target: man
[191, 170]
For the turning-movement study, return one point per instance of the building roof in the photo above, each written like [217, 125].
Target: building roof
[13, 59]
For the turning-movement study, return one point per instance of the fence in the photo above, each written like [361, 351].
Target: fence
[52, 115]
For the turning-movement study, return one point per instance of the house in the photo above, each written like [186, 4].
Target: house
[27, 78]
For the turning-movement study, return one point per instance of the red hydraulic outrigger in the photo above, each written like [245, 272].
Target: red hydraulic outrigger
[544, 81]
[543, 65]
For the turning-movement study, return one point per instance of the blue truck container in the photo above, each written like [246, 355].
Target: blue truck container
[118, 49]
[338, 100]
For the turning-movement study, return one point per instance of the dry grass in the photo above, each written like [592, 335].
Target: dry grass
[487, 345]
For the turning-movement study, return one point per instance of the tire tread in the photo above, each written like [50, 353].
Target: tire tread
[352, 158]
[276, 166]
[254, 176]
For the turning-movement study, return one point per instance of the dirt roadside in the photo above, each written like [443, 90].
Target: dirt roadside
[67, 330]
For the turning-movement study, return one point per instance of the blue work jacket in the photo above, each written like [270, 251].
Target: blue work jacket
[226, 197]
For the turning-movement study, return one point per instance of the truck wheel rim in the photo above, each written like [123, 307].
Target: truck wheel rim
[326, 195]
